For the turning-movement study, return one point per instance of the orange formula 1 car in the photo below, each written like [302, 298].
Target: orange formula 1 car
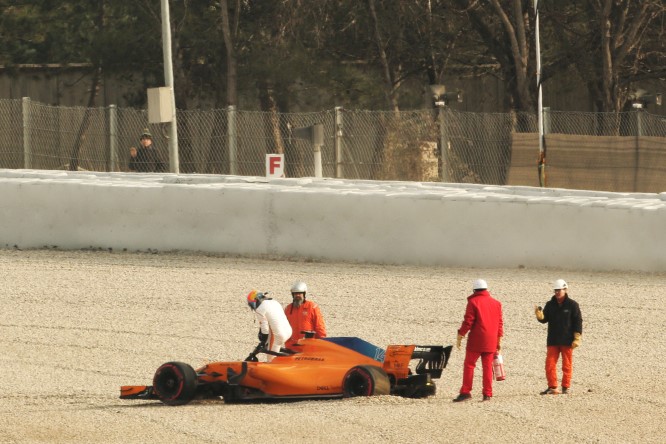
[313, 368]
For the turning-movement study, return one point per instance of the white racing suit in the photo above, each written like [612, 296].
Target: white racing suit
[273, 321]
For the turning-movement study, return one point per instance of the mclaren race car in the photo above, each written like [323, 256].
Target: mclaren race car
[313, 368]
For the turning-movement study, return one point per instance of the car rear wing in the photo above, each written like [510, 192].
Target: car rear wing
[432, 359]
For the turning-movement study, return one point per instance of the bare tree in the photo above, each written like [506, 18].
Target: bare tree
[506, 32]
[618, 40]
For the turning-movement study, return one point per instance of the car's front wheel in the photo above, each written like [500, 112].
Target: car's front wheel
[365, 380]
[175, 383]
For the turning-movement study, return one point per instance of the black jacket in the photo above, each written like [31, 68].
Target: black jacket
[563, 321]
[148, 161]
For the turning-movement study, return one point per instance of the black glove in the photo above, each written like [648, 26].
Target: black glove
[263, 338]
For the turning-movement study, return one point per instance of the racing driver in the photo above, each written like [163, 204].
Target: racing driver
[274, 328]
[303, 315]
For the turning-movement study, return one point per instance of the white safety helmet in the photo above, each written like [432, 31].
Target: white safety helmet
[299, 287]
[560, 284]
[480, 284]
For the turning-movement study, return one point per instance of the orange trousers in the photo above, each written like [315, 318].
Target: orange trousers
[468, 372]
[552, 356]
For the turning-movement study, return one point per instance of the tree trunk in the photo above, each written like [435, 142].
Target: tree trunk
[519, 52]
[268, 103]
[386, 67]
[94, 90]
[232, 88]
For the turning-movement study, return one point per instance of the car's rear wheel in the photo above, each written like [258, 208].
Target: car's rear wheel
[424, 392]
[175, 383]
[365, 380]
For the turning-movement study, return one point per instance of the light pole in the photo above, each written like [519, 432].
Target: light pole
[168, 80]
[542, 146]
[639, 101]
[441, 99]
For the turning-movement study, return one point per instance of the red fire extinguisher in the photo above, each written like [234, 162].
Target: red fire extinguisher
[498, 368]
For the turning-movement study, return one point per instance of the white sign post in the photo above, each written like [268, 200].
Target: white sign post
[274, 165]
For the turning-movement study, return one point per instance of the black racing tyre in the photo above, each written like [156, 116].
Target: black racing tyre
[424, 392]
[365, 380]
[175, 383]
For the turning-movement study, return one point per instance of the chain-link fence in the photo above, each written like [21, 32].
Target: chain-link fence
[599, 151]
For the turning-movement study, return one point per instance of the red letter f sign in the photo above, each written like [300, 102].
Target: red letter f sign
[274, 165]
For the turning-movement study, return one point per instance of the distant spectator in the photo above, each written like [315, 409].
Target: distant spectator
[148, 159]
[132, 160]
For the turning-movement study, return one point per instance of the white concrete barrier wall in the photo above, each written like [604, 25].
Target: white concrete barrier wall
[330, 219]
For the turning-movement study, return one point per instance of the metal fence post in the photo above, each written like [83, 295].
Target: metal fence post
[113, 138]
[639, 133]
[27, 149]
[317, 143]
[339, 171]
[231, 134]
[443, 144]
